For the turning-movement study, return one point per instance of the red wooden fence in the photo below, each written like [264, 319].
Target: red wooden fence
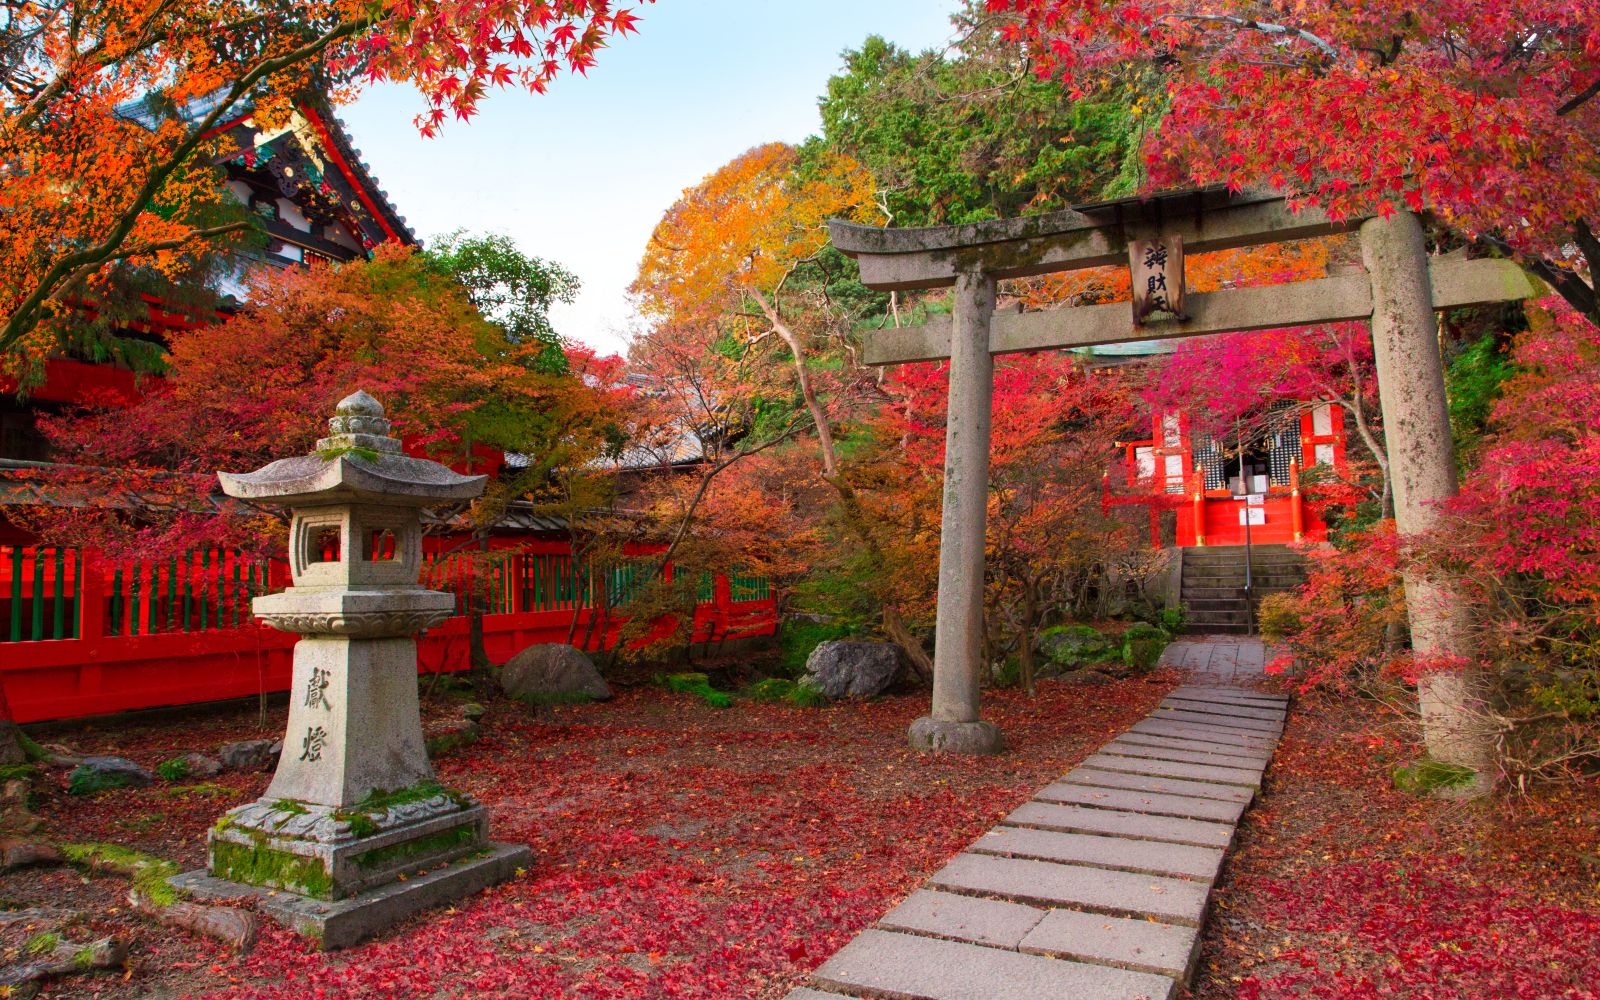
[82, 637]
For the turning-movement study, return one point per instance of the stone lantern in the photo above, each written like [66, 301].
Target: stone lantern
[353, 814]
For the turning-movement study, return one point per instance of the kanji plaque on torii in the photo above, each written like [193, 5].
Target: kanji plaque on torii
[1157, 269]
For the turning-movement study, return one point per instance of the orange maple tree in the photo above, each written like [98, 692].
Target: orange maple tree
[110, 112]
[723, 255]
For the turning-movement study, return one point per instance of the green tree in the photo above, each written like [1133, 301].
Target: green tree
[512, 289]
[970, 132]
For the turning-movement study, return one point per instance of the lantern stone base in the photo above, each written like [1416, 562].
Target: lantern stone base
[341, 875]
[341, 923]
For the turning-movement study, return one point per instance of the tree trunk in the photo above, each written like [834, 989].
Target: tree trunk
[1421, 454]
[895, 628]
[1030, 612]
[819, 414]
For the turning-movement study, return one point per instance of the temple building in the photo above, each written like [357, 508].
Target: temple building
[316, 199]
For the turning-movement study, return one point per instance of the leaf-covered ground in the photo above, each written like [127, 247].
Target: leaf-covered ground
[679, 851]
[1343, 887]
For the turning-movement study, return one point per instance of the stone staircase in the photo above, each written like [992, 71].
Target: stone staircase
[1213, 584]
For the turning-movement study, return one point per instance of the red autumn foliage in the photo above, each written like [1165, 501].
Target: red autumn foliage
[1341, 886]
[679, 852]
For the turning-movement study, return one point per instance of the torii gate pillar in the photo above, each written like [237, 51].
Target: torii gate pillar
[958, 633]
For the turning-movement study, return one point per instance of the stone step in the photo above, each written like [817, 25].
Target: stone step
[1049, 883]
[1139, 945]
[1236, 695]
[1147, 856]
[888, 963]
[1143, 802]
[1221, 721]
[1216, 628]
[1135, 826]
[1247, 756]
[1149, 783]
[1118, 748]
[1249, 778]
[1212, 708]
[993, 922]
[1209, 734]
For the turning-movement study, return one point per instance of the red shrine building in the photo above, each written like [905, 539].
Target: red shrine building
[1212, 486]
[1200, 488]
[316, 200]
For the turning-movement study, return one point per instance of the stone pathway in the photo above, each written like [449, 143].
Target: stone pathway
[1097, 887]
[1218, 659]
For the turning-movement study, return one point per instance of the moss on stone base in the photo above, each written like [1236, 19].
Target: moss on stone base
[258, 864]
[396, 855]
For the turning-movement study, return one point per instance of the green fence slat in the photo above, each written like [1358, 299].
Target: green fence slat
[172, 593]
[38, 596]
[217, 622]
[60, 594]
[16, 593]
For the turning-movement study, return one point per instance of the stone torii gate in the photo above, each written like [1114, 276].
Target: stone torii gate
[1397, 294]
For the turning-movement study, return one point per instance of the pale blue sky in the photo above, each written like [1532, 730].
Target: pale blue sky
[582, 174]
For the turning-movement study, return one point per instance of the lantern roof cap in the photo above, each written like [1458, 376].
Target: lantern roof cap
[357, 461]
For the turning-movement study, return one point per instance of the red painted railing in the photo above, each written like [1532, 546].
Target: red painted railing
[82, 637]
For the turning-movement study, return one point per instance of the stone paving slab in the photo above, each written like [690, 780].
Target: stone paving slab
[1122, 748]
[965, 918]
[1050, 883]
[903, 965]
[1221, 721]
[1236, 696]
[1098, 887]
[1143, 802]
[1083, 819]
[1172, 769]
[1253, 755]
[1190, 731]
[1151, 857]
[1150, 783]
[1222, 708]
[1142, 945]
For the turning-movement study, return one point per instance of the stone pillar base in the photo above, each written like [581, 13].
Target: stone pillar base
[940, 736]
[341, 923]
[324, 853]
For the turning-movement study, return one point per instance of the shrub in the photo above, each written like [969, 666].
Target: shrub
[698, 685]
[1074, 646]
[175, 769]
[799, 636]
[1142, 645]
[779, 689]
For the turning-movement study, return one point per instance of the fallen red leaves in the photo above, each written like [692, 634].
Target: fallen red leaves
[680, 852]
[1343, 887]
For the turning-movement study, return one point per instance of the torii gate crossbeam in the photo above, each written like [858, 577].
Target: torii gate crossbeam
[1396, 293]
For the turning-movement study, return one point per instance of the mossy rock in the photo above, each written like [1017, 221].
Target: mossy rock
[1431, 777]
[1074, 646]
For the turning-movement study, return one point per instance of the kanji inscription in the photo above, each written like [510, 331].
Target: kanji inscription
[1157, 269]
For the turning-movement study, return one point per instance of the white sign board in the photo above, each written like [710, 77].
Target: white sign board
[1255, 499]
[1253, 515]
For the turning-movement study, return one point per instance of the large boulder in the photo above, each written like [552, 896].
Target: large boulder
[98, 774]
[250, 755]
[553, 672]
[843, 668]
